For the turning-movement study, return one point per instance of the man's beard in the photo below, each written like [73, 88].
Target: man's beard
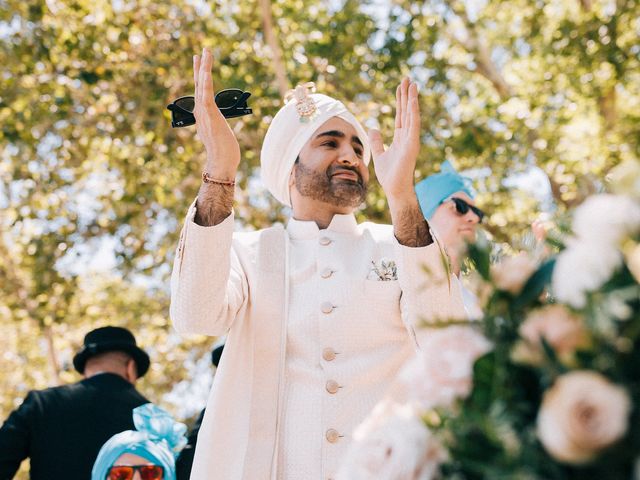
[318, 186]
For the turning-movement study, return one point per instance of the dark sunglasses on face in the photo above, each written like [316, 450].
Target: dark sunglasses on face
[463, 207]
[126, 472]
[232, 103]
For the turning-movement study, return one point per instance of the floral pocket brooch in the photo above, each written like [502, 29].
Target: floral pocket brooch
[383, 271]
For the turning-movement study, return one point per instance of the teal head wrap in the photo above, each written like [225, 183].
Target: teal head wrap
[157, 437]
[436, 188]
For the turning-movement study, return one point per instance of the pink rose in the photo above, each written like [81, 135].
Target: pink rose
[582, 414]
[443, 370]
[562, 330]
[393, 443]
[512, 273]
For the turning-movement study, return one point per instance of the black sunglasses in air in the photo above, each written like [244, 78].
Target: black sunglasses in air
[463, 207]
[232, 103]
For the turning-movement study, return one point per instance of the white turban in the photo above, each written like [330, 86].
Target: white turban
[289, 132]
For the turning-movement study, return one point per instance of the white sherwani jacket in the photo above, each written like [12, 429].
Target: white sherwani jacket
[302, 307]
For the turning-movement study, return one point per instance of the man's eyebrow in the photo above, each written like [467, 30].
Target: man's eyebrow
[339, 134]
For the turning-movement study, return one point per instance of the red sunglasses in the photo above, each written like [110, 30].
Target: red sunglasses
[126, 472]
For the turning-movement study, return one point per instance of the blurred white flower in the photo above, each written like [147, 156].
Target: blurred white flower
[582, 414]
[606, 219]
[393, 443]
[561, 329]
[581, 268]
[443, 370]
[512, 273]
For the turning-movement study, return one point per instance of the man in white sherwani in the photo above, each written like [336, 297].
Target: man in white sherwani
[320, 314]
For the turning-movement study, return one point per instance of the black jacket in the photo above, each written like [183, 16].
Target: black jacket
[61, 429]
[184, 462]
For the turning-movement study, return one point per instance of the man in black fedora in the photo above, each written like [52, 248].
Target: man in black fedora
[61, 429]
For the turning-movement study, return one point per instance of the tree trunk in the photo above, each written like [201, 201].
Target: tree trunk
[53, 356]
[272, 43]
[607, 107]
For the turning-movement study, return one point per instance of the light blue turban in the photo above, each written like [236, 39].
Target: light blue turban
[158, 438]
[436, 188]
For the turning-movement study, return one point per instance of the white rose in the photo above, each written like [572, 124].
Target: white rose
[581, 268]
[582, 414]
[606, 219]
[512, 273]
[443, 370]
[562, 330]
[393, 443]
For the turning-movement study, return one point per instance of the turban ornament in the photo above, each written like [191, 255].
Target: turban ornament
[305, 106]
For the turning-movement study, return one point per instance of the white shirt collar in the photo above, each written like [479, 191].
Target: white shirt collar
[301, 229]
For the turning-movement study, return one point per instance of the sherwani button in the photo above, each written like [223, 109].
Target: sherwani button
[327, 307]
[332, 435]
[326, 273]
[332, 387]
[325, 241]
[328, 354]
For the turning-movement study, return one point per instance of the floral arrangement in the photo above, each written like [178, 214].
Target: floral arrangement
[547, 385]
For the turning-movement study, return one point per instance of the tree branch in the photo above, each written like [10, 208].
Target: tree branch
[272, 43]
[9, 271]
[482, 55]
[53, 356]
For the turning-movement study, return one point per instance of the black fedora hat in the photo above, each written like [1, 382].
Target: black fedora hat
[111, 339]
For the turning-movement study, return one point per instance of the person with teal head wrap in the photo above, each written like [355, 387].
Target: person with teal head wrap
[156, 442]
[447, 202]
[436, 188]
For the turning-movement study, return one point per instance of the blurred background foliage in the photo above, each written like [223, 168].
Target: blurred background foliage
[536, 100]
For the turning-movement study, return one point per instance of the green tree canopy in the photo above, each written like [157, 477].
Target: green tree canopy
[89, 163]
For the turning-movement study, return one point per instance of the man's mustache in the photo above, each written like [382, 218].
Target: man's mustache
[333, 170]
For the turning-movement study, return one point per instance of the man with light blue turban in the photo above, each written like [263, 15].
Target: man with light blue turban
[147, 453]
[436, 188]
[447, 202]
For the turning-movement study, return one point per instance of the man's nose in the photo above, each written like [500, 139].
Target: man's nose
[348, 157]
[472, 217]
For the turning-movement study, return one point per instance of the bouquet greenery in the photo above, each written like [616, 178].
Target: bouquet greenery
[547, 385]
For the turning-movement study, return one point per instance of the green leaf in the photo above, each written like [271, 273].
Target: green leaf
[480, 258]
[535, 285]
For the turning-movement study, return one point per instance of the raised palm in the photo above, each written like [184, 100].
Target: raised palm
[395, 166]
[223, 151]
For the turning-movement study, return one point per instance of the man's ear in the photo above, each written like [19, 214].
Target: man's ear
[292, 175]
[132, 371]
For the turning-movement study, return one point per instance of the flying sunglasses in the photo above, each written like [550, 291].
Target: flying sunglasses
[232, 103]
[463, 207]
[126, 472]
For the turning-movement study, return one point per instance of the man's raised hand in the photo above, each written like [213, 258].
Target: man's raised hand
[395, 167]
[223, 151]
